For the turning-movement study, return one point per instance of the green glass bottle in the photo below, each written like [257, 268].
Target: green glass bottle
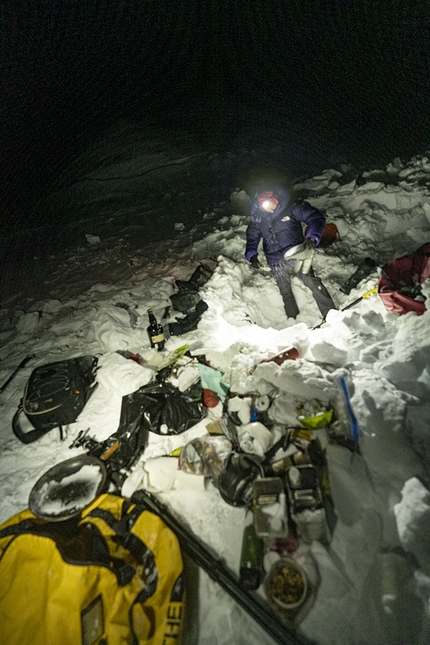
[251, 559]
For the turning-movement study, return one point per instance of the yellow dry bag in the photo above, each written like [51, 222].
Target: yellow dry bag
[111, 576]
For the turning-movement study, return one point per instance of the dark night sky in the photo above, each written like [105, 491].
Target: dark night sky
[353, 74]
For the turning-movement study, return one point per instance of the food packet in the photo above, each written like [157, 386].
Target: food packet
[205, 456]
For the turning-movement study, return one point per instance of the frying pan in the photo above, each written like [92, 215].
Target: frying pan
[67, 488]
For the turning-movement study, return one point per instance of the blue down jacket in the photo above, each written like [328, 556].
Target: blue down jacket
[283, 228]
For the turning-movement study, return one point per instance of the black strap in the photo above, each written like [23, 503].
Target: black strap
[31, 435]
[26, 526]
[128, 540]
[140, 552]
[63, 534]
[137, 548]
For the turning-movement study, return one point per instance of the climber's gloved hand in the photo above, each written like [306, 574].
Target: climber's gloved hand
[304, 266]
[310, 243]
[254, 261]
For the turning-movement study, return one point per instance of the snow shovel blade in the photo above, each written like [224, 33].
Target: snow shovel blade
[303, 255]
[297, 252]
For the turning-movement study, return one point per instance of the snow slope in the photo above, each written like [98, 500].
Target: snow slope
[93, 300]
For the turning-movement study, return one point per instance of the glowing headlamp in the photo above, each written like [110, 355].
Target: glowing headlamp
[268, 201]
[269, 205]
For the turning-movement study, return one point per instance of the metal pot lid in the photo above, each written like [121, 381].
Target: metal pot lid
[67, 488]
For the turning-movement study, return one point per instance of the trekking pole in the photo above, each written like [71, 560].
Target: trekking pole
[351, 304]
[22, 364]
[257, 608]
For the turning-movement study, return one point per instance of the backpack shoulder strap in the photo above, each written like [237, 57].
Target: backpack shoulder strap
[31, 435]
[121, 530]
[65, 535]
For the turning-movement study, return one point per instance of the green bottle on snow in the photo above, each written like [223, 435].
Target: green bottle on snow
[251, 559]
[155, 332]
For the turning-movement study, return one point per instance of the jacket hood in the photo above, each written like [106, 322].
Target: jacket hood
[284, 197]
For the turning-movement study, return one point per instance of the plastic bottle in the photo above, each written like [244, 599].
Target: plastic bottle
[294, 476]
[155, 332]
[251, 559]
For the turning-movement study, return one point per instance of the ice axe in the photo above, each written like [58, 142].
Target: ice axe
[362, 297]
[351, 304]
[22, 364]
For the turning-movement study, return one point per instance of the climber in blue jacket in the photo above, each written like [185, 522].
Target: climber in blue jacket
[279, 220]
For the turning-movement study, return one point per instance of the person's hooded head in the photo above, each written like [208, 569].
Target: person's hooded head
[268, 201]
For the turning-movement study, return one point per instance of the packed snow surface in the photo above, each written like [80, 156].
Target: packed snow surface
[371, 582]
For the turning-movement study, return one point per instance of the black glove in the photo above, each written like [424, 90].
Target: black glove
[310, 243]
[254, 261]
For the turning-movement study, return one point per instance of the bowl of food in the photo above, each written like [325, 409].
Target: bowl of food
[286, 584]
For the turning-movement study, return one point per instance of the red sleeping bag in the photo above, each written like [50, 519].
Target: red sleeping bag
[399, 284]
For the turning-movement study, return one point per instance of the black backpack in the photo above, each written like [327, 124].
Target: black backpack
[54, 396]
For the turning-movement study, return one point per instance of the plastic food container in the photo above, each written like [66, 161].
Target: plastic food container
[286, 586]
[269, 505]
